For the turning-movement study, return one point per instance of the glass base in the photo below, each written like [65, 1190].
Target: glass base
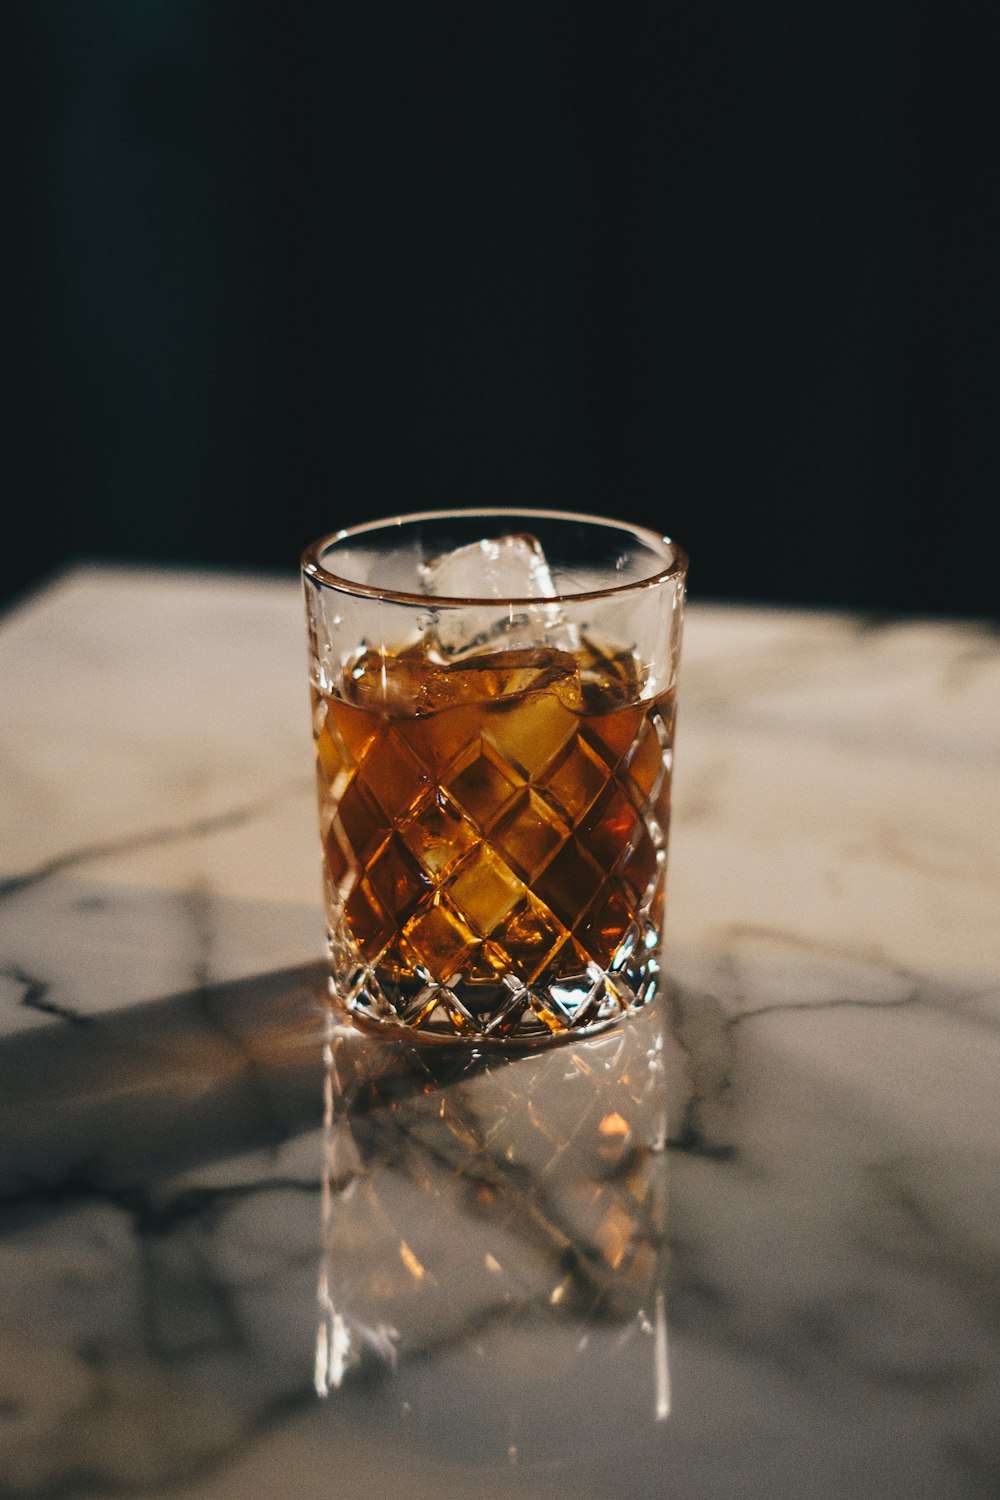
[509, 1014]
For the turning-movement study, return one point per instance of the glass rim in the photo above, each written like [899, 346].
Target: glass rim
[313, 568]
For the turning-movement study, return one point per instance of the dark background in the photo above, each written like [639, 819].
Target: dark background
[727, 269]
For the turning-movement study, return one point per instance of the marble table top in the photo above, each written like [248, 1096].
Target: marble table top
[750, 1246]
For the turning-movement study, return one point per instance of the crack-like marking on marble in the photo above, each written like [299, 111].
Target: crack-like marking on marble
[35, 997]
[840, 1002]
[898, 987]
[196, 903]
[149, 838]
[148, 1214]
[698, 1028]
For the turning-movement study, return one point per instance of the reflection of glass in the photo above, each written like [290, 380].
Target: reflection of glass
[494, 1236]
[494, 769]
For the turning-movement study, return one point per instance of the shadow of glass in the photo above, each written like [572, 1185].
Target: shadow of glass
[140, 1094]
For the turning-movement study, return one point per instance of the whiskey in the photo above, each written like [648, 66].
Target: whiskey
[492, 826]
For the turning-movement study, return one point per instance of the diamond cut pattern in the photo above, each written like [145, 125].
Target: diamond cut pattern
[566, 1004]
[529, 935]
[439, 740]
[370, 923]
[357, 730]
[529, 833]
[363, 821]
[395, 778]
[517, 842]
[644, 764]
[396, 878]
[438, 933]
[606, 920]
[574, 778]
[611, 734]
[529, 734]
[571, 881]
[484, 889]
[484, 785]
[438, 835]
[337, 861]
[608, 826]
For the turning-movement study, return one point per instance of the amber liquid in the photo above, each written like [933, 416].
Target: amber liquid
[505, 816]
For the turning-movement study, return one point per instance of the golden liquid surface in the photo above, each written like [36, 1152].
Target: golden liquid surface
[504, 815]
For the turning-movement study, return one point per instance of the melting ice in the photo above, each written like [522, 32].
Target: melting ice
[501, 569]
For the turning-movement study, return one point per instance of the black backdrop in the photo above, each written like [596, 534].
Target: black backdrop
[728, 269]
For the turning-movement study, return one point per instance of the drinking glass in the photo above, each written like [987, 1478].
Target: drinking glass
[493, 701]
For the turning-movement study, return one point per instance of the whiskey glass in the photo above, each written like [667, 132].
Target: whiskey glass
[493, 698]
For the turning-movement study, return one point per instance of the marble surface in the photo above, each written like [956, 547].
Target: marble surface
[215, 1207]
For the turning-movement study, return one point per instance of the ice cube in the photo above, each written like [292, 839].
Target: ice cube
[500, 568]
[505, 567]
